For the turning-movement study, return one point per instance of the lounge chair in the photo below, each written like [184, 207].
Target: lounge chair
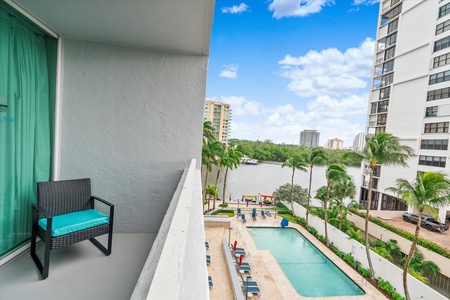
[239, 212]
[207, 245]
[268, 213]
[254, 214]
[263, 215]
[210, 283]
[208, 259]
[244, 268]
[243, 218]
[253, 289]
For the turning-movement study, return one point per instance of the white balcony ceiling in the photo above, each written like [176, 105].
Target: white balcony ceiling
[182, 26]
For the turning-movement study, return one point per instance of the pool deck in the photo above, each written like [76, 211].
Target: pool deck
[271, 279]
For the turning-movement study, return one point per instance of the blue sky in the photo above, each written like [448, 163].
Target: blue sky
[289, 65]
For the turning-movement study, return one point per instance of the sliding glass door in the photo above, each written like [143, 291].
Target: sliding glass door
[27, 89]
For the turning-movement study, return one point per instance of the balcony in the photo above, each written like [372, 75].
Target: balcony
[81, 271]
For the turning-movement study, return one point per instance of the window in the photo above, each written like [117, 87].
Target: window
[381, 120]
[387, 79]
[389, 53]
[388, 66]
[380, 129]
[435, 161]
[431, 111]
[434, 144]
[391, 39]
[442, 44]
[439, 77]
[444, 10]
[385, 93]
[441, 60]
[393, 26]
[438, 94]
[440, 127]
[391, 14]
[373, 108]
[383, 106]
[444, 26]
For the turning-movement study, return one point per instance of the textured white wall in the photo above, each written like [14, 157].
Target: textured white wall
[131, 121]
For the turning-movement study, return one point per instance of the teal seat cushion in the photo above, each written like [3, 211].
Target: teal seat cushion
[75, 221]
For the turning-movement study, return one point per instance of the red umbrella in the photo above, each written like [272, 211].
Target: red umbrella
[235, 244]
[240, 260]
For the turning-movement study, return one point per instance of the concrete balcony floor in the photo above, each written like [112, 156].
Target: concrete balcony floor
[79, 271]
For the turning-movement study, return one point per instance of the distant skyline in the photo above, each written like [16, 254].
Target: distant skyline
[286, 66]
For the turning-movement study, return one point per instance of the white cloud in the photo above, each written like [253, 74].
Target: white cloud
[242, 106]
[365, 2]
[230, 71]
[297, 8]
[235, 9]
[334, 117]
[330, 71]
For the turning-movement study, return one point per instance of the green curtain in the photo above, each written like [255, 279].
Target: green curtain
[26, 122]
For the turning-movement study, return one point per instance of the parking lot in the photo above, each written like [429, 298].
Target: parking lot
[442, 239]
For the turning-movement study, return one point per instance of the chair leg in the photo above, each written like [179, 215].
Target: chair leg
[46, 261]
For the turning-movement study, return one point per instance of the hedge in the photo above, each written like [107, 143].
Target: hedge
[407, 235]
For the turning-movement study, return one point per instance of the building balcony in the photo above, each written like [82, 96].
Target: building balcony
[81, 271]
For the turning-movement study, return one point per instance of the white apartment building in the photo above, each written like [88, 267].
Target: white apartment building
[359, 141]
[410, 95]
[309, 138]
[334, 144]
[219, 114]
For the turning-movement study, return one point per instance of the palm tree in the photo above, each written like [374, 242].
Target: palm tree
[211, 190]
[343, 188]
[316, 157]
[334, 173]
[209, 158]
[208, 132]
[418, 266]
[295, 162]
[430, 190]
[230, 160]
[218, 161]
[380, 149]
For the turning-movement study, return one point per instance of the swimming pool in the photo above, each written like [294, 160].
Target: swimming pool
[310, 272]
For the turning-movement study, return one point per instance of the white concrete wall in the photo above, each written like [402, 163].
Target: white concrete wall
[382, 267]
[131, 121]
[176, 266]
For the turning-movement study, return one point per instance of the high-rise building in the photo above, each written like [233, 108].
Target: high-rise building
[219, 114]
[410, 95]
[359, 141]
[309, 138]
[334, 144]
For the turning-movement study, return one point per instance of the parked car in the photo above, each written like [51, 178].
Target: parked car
[428, 222]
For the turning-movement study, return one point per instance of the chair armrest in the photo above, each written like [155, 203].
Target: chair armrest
[111, 207]
[42, 211]
[102, 200]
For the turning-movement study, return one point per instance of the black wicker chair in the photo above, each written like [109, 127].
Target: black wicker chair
[56, 198]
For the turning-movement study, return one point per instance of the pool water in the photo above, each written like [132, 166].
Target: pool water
[310, 272]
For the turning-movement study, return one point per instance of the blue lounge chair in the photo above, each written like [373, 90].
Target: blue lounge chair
[254, 214]
[208, 259]
[268, 213]
[253, 289]
[207, 245]
[239, 252]
[243, 218]
[210, 283]
[244, 268]
[263, 215]
[239, 212]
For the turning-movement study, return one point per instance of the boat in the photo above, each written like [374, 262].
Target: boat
[248, 161]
